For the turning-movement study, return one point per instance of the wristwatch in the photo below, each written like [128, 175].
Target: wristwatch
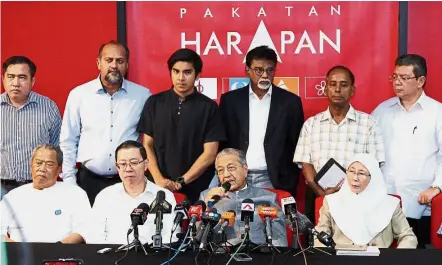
[180, 180]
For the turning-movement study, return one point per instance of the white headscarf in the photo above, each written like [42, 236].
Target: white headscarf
[362, 216]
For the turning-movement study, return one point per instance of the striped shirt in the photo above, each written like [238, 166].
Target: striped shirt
[23, 128]
[95, 123]
[322, 138]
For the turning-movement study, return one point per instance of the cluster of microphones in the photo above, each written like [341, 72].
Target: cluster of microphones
[204, 221]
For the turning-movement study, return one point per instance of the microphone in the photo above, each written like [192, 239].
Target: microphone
[195, 212]
[159, 206]
[227, 219]
[181, 214]
[217, 198]
[306, 226]
[160, 203]
[247, 211]
[138, 216]
[289, 209]
[209, 219]
[267, 214]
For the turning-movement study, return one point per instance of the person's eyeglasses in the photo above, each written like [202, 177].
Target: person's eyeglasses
[394, 77]
[353, 173]
[259, 71]
[230, 168]
[132, 163]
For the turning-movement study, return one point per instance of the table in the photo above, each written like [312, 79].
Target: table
[88, 253]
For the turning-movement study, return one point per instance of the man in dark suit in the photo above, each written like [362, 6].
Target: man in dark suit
[264, 121]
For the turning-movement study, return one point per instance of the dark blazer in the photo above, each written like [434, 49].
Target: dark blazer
[286, 118]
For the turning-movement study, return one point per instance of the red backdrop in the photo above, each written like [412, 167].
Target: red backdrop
[425, 38]
[62, 38]
[223, 31]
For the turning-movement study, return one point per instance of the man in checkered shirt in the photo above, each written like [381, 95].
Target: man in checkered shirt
[338, 132]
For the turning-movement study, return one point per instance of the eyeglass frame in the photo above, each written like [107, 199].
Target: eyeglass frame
[362, 174]
[230, 171]
[394, 77]
[132, 165]
[262, 70]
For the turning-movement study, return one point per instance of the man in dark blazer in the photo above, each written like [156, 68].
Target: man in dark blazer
[264, 121]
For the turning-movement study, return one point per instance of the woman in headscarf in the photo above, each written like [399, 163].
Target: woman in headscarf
[362, 213]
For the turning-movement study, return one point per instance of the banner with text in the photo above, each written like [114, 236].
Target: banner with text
[308, 37]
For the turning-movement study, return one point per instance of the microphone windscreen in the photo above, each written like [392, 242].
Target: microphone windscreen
[161, 195]
[227, 186]
[144, 206]
[202, 203]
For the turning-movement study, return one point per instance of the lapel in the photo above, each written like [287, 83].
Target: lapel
[243, 111]
[275, 110]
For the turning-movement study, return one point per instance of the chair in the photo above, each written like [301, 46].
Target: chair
[319, 201]
[279, 195]
[436, 221]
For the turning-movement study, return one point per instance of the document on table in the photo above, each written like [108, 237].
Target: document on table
[371, 251]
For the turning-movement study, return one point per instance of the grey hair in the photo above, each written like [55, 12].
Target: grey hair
[230, 151]
[52, 148]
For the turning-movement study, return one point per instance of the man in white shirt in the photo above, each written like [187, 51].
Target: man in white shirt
[45, 210]
[113, 205]
[339, 132]
[264, 121]
[411, 125]
[100, 115]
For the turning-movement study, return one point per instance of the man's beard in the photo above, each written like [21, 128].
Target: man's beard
[264, 84]
[114, 79]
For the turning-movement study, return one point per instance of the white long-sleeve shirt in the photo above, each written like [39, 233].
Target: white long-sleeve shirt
[48, 215]
[95, 123]
[413, 148]
[111, 216]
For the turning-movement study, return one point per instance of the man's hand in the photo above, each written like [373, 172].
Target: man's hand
[168, 184]
[427, 195]
[331, 190]
[216, 191]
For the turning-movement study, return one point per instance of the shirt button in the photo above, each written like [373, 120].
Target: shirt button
[110, 154]
[111, 140]
[112, 112]
[112, 126]
[112, 98]
[110, 169]
[178, 113]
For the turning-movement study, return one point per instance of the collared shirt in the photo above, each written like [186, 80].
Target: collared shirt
[259, 115]
[47, 215]
[180, 128]
[37, 122]
[259, 196]
[95, 123]
[413, 141]
[322, 138]
[111, 216]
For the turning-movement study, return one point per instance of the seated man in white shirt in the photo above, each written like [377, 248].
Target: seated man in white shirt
[113, 205]
[45, 210]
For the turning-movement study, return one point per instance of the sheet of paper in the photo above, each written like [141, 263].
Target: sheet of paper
[332, 177]
[371, 251]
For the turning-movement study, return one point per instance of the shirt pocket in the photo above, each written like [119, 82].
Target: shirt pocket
[38, 133]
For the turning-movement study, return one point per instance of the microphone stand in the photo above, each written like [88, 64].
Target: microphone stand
[157, 240]
[136, 243]
[311, 247]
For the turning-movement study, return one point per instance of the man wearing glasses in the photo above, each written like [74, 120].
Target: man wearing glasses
[411, 125]
[264, 121]
[231, 167]
[339, 132]
[113, 205]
